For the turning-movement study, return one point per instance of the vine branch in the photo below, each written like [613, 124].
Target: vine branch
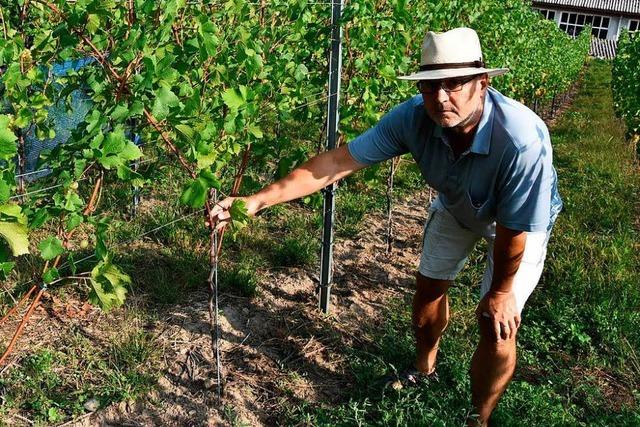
[154, 122]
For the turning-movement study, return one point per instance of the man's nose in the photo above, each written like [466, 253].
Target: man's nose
[441, 95]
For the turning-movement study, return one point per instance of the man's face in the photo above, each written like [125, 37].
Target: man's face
[456, 109]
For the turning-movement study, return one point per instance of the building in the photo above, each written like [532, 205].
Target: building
[607, 18]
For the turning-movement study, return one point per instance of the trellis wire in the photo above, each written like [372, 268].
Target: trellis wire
[124, 242]
[39, 171]
[134, 239]
[19, 196]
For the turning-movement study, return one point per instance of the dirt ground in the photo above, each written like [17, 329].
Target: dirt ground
[277, 349]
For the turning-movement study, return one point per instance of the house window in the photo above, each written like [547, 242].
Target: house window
[634, 25]
[574, 23]
[548, 14]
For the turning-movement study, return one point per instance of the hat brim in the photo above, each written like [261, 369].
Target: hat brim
[453, 72]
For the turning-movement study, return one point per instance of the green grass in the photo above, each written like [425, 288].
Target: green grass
[578, 357]
[52, 386]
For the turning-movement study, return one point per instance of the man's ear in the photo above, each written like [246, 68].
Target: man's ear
[484, 81]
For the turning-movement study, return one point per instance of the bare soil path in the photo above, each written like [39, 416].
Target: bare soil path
[278, 348]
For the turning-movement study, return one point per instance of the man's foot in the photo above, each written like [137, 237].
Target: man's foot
[408, 378]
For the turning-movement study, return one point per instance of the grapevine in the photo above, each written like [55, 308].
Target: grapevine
[626, 82]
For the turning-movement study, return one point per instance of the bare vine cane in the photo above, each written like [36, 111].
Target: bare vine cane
[216, 238]
[214, 326]
[22, 324]
[18, 304]
[27, 315]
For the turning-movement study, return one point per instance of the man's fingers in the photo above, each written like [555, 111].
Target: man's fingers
[512, 329]
[518, 320]
[506, 331]
[496, 329]
[217, 209]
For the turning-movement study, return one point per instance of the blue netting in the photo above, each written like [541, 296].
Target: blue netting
[64, 121]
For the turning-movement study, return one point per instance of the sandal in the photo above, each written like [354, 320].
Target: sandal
[408, 378]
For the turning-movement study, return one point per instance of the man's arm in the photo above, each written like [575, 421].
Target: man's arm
[499, 304]
[311, 176]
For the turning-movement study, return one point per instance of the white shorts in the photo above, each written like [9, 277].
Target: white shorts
[446, 246]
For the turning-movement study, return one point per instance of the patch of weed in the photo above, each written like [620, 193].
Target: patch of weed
[242, 280]
[297, 251]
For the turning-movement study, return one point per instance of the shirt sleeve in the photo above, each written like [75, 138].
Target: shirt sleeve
[385, 140]
[524, 191]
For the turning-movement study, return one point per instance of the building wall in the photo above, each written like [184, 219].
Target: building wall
[616, 23]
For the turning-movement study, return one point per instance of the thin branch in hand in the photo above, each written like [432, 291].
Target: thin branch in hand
[235, 189]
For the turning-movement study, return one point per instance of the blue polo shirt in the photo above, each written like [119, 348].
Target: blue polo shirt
[506, 176]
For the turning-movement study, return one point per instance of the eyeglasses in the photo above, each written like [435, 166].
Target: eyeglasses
[430, 87]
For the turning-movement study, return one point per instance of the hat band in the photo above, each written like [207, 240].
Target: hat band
[473, 64]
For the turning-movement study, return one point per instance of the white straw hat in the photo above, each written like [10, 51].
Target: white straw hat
[455, 53]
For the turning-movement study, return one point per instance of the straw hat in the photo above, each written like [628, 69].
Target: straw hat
[455, 53]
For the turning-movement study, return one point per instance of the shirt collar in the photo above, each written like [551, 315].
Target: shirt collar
[482, 139]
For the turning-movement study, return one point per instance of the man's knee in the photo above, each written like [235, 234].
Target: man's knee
[429, 290]
[430, 309]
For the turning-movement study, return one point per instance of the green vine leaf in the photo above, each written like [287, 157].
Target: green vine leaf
[5, 269]
[50, 248]
[165, 99]
[11, 210]
[116, 150]
[239, 216]
[255, 131]
[233, 99]
[8, 140]
[16, 236]
[109, 285]
[51, 275]
[195, 195]
[5, 191]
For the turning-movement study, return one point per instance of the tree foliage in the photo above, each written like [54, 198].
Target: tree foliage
[626, 81]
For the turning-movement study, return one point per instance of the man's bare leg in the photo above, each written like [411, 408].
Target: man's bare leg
[430, 317]
[492, 368]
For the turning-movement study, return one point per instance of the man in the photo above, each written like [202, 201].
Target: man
[490, 159]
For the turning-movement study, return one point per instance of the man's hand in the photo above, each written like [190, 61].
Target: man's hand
[220, 214]
[501, 310]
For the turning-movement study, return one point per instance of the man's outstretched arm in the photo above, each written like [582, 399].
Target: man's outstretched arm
[311, 176]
